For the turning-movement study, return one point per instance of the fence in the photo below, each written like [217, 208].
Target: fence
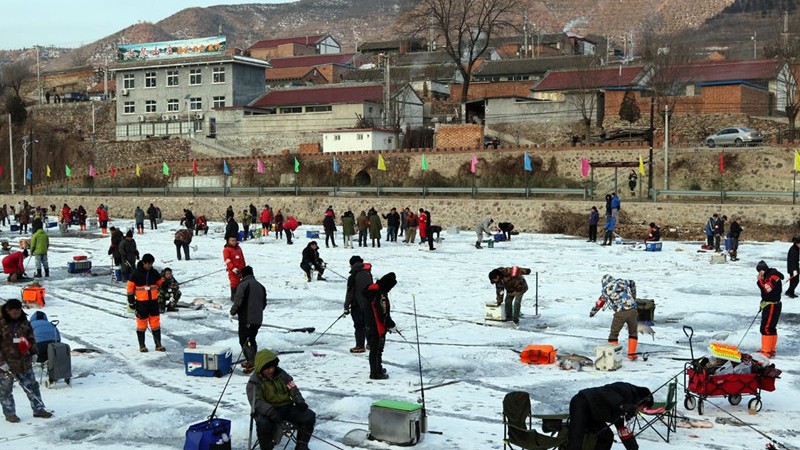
[722, 195]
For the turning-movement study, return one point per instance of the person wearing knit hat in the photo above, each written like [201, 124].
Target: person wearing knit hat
[378, 321]
[793, 266]
[592, 409]
[274, 398]
[17, 348]
[359, 280]
[142, 290]
[770, 284]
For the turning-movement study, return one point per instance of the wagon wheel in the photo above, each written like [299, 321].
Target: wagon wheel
[700, 407]
[754, 404]
[735, 399]
[689, 402]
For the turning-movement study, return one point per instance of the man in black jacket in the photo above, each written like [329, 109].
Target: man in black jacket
[358, 268]
[311, 260]
[377, 322]
[232, 228]
[152, 214]
[793, 266]
[770, 284]
[591, 410]
[392, 225]
[249, 303]
[736, 231]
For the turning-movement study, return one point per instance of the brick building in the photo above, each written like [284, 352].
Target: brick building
[319, 44]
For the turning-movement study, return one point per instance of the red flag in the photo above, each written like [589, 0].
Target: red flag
[1, 170]
[721, 163]
[113, 172]
[194, 167]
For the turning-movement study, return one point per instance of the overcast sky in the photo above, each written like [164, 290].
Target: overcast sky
[72, 23]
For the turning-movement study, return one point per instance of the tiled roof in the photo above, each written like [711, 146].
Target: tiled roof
[408, 73]
[424, 59]
[764, 69]
[328, 95]
[312, 60]
[590, 79]
[537, 66]
[99, 88]
[287, 73]
[302, 40]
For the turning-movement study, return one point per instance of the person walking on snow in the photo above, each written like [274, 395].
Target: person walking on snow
[611, 223]
[363, 227]
[509, 281]
[138, 216]
[279, 225]
[480, 228]
[592, 409]
[142, 290]
[348, 228]
[736, 231]
[311, 260]
[152, 214]
[17, 348]
[793, 266]
[375, 226]
[329, 225]
[770, 284]
[275, 398]
[234, 261]
[128, 254]
[40, 244]
[359, 280]
[246, 220]
[249, 303]
[620, 296]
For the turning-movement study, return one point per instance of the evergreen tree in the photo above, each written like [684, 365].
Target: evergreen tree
[629, 109]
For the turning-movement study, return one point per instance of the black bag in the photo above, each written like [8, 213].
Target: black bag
[59, 363]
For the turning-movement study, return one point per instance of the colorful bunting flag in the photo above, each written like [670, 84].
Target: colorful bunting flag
[29, 175]
[165, 169]
[259, 166]
[641, 165]
[48, 171]
[67, 170]
[225, 168]
[721, 163]
[381, 163]
[527, 163]
[335, 165]
[194, 167]
[584, 167]
[138, 170]
[474, 164]
[296, 165]
[424, 162]
[796, 161]
[92, 172]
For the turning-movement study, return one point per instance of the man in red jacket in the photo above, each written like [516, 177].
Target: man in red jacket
[266, 218]
[14, 265]
[234, 261]
[289, 225]
[102, 218]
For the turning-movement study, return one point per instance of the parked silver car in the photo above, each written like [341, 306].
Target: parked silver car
[734, 136]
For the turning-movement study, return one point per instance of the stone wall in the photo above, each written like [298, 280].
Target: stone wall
[683, 221]
[76, 118]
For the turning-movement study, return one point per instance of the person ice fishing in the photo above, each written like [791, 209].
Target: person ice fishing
[311, 260]
[506, 228]
[40, 244]
[249, 303]
[14, 266]
[793, 266]
[735, 233]
[378, 321]
[770, 284]
[620, 296]
[169, 293]
[274, 398]
[611, 223]
[480, 228]
[234, 261]
[128, 255]
[359, 280]
[655, 233]
[142, 290]
[592, 409]
[17, 348]
[138, 216]
[510, 281]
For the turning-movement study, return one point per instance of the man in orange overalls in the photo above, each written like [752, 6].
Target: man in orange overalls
[143, 299]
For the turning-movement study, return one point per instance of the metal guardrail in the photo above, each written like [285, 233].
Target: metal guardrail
[324, 190]
[722, 194]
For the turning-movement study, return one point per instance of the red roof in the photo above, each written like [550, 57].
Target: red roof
[312, 60]
[289, 73]
[99, 88]
[705, 72]
[321, 96]
[589, 79]
[302, 40]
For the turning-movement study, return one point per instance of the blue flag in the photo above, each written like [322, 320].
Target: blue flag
[225, 167]
[335, 165]
[29, 175]
[527, 162]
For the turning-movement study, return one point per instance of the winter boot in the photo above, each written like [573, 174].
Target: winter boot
[766, 345]
[320, 277]
[478, 244]
[632, 343]
[157, 340]
[773, 342]
[308, 275]
[46, 271]
[142, 346]
[43, 414]
[38, 274]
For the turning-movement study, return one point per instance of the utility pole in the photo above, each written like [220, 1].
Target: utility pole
[94, 131]
[650, 166]
[105, 78]
[386, 91]
[525, 31]
[754, 38]
[666, 147]
[38, 77]
[11, 154]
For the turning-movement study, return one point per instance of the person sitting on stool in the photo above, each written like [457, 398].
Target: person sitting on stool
[311, 260]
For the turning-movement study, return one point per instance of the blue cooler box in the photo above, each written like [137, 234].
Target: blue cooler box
[312, 234]
[652, 246]
[79, 266]
[207, 361]
[499, 237]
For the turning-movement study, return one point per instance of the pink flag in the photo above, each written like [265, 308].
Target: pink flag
[474, 164]
[260, 166]
[91, 170]
[584, 167]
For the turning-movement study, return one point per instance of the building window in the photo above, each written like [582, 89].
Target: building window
[149, 79]
[319, 108]
[172, 78]
[292, 110]
[218, 75]
[195, 77]
[359, 137]
[129, 108]
[337, 137]
[128, 81]
[195, 104]
[173, 105]
[370, 109]
[219, 101]
[150, 106]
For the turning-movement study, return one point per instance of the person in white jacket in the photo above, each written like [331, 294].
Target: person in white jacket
[482, 227]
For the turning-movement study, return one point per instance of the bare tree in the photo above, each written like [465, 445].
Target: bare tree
[14, 75]
[666, 58]
[465, 26]
[584, 90]
[787, 50]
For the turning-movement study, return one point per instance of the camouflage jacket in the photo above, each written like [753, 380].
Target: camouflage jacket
[9, 351]
[511, 281]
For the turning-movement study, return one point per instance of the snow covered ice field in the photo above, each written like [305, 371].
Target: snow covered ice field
[121, 398]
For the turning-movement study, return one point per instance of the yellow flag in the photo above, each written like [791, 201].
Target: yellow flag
[641, 165]
[48, 171]
[796, 161]
[138, 171]
[381, 163]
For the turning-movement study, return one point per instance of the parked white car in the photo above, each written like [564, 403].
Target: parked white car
[734, 136]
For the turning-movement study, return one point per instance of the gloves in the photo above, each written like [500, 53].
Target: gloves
[346, 312]
[593, 312]
[597, 305]
[274, 416]
[499, 302]
[131, 302]
[235, 270]
[392, 330]
[301, 406]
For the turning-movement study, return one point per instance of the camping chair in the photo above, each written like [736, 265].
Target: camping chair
[517, 425]
[665, 412]
[285, 428]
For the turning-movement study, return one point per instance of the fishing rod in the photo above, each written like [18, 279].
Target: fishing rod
[748, 328]
[424, 427]
[331, 326]
[202, 276]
